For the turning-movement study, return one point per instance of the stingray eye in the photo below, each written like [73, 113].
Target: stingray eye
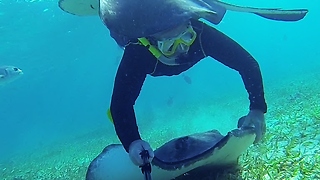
[15, 69]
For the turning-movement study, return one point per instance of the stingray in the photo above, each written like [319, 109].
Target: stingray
[176, 157]
[130, 19]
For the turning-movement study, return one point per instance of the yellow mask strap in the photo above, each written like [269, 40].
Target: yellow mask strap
[144, 41]
[109, 115]
[155, 52]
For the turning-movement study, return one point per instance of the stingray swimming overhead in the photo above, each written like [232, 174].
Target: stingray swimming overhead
[134, 19]
[144, 17]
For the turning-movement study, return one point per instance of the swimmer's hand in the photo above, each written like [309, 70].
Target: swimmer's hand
[255, 119]
[135, 149]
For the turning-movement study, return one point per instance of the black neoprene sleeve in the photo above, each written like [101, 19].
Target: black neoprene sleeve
[230, 53]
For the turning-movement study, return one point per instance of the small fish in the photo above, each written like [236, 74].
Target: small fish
[170, 101]
[9, 74]
[187, 79]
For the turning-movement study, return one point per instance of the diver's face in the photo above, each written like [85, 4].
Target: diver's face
[176, 41]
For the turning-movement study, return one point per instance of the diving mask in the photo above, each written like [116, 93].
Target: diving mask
[182, 42]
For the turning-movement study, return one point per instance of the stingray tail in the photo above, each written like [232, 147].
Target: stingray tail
[269, 13]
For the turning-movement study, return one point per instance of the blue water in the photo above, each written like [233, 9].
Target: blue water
[69, 65]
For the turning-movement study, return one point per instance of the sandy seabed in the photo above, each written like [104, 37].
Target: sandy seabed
[290, 149]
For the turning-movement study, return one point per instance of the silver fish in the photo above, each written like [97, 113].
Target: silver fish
[9, 74]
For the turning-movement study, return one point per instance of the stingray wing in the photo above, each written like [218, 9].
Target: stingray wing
[269, 13]
[80, 7]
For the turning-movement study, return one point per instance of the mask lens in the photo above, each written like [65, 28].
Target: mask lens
[184, 40]
[166, 46]
[188, 37]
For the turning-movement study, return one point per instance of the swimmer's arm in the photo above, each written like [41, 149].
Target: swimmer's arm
[230, 53]
[127, 86]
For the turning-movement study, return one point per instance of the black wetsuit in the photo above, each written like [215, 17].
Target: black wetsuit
[137, 62]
